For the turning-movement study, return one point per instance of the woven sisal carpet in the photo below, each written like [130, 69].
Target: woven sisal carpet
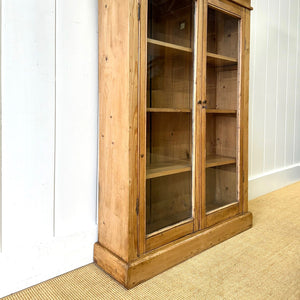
[261, 263]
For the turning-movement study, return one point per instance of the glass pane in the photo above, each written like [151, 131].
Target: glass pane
[222, 33]
[171, 21]
[222, 93]
[169, 112]
[169, 200]
[221, 186]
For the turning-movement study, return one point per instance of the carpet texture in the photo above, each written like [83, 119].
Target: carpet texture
[261, 263]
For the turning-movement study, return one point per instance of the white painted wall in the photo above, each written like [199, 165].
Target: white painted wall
[49, 127]
[274, 119]
[49, 133]
[76, 115]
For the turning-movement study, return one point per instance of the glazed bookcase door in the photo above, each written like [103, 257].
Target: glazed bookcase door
[222, 113]
[168, 104]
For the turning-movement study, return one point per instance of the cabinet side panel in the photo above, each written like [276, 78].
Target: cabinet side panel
[133, 128]
[114, 126]
[245, 108]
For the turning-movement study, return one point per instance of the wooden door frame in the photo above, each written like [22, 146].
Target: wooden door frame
[231, 210]
[188, 226]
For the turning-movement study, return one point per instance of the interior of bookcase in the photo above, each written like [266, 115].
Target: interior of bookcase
[221, 136]
[169, 113]
[170, 200]
[222, 77]
[222, 33]
[221, 186]
[171, 21]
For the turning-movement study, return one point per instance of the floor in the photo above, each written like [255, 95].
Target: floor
[261, 263]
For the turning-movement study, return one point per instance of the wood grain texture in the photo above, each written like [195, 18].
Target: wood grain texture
[202, 112]
[167, 235]
[170, 109]
[227, 89]
[169, 200]
[142, 129]
[245, 3]
[223, 183]
[221, 186]
[197, 114]
[179, 251]
[221, 214]
[110, 263]
[169, 45]
[245, 110]
[226, 6]
[218, 160]
[168, 168]
[147, 180]
[227, 35]
[133, 179]
[157, 261]
[221, 136]
[221, 111]
[114, 134]
[220, 60]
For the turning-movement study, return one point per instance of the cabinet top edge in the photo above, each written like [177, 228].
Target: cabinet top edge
[244, 3]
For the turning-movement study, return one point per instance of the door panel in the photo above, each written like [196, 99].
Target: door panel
[168, 90]
[222, 113]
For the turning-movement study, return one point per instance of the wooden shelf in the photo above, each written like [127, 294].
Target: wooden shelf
[218, 60]
[220, 111]
[155, 109]
[217, 160]
[168, 45]
[168, 168]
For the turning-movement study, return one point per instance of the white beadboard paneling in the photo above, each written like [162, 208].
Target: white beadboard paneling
[259, 85]
[27, 120]
[296, 153]
[290, 83]
[76, 115]
[274, 87]
[281, 86]
[271, 83]
[253, 29]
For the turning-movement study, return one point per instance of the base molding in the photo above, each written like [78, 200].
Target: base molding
[163, 258]
[271, 181]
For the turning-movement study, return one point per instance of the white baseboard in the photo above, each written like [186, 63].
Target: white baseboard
[27, 265]
[271, 181]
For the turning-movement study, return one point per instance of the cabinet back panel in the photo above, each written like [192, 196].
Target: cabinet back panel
[211, 87]
[222, 87]
[221, 135]
[221, 186]
[169, 137]
[170, 80]
[171, 21]
[222, 33]
[169, 200]
[226, 89]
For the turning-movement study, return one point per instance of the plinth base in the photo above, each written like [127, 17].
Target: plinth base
[157, 261]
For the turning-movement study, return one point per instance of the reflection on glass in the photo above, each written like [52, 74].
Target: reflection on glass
[222, 109]
[169, 112]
